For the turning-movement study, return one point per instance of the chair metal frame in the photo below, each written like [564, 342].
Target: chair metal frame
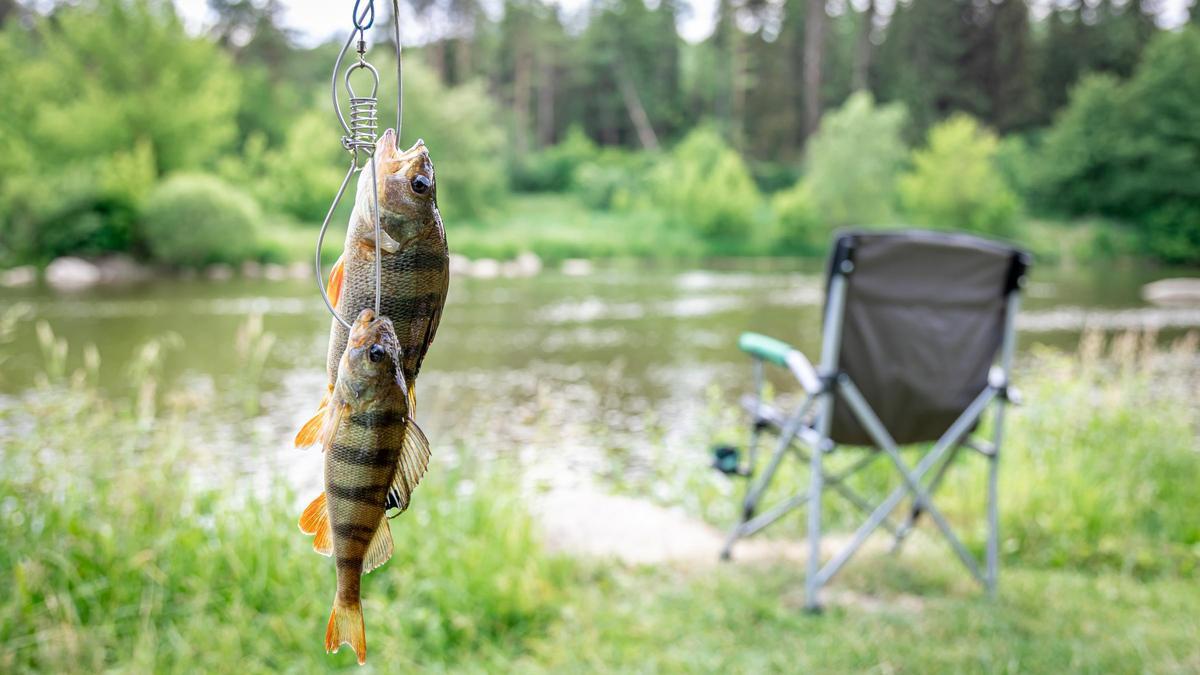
[810, 440]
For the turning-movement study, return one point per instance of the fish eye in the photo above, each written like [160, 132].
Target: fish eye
[421, 184]
[376, 353]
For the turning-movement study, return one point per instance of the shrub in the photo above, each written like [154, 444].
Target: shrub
[1132, 150]
[799, 228]
[553, 169]
[954, 182]
[704, 185]
[614, 179]
[853, 159]
[193, 220]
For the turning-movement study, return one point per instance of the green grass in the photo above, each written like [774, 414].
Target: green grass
[1096, 469]
[559, 226]
[116, 558]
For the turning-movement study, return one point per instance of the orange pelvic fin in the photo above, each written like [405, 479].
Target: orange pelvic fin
[337, 277]
[315, 521]
[346, 627]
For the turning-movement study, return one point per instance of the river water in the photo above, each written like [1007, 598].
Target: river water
[573, 375]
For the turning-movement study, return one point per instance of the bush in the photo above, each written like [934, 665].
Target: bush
[1132, 150]
[553, 169]
[615, 178]
[799, 227]
[954, 183]
[704, 185]
[192, 220]
[852, 162]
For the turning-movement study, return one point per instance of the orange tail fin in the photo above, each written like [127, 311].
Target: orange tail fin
[346, 627]
[315, 521]
[337, 276]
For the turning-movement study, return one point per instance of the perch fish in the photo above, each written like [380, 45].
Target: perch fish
[374, 454]
[415, 273]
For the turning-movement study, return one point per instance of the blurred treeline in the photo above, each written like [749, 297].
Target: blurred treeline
[120, 131]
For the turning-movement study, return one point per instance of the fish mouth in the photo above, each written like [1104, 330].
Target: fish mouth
[389, 150]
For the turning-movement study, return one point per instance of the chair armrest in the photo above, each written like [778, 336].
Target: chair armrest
[766, 348]
[782, 354]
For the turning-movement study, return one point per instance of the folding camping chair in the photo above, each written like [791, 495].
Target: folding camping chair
[917, 342]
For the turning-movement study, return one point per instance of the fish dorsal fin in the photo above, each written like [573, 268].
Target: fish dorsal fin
[315, 521]
[380, 548]
[414, 460]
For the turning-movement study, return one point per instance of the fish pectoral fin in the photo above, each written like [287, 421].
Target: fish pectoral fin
[346, 627]
[414, 460]
[315, 521]
[337, 277]
[380, 549]
[310, 433]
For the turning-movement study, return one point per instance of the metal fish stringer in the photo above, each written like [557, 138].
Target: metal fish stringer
[360, 133]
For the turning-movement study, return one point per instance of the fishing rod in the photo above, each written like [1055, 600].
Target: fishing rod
[360, 131]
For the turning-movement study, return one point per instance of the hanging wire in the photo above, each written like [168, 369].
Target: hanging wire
[360, 135]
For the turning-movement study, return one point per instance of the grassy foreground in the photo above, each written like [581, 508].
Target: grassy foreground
[117, 558]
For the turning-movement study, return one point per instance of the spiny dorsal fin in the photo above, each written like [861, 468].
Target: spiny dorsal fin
[414, 460]
[380, 548]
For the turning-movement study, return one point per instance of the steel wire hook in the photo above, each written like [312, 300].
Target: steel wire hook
[359, 138]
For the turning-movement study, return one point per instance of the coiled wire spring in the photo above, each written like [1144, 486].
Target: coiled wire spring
[360, 134]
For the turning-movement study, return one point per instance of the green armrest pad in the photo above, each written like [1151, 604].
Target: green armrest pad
[765, 348]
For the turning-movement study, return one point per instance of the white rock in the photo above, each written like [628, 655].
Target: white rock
[485, 268]
[577, 267]
[460, 264]
[120, 269]
[528, 264]
[18, 276]
[219, 272]
[72, 273]
[300, 270]
[1179, 292]
[275, 272]
[251, 269]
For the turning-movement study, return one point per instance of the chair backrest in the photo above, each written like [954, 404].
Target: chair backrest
[923, 319]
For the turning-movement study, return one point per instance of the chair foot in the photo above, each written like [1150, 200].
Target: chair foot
[726, 555]
[814, 609]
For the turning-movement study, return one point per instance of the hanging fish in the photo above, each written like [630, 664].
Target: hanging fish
[415, 272]
[374, 454]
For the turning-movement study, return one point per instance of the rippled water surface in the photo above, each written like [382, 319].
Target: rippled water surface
[570, 374]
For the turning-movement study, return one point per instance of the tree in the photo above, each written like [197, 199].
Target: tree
[814, 50]
[954, 182]
[852, 161]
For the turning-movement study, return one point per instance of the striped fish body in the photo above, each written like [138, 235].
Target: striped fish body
[415, 270]
[374, 455]
[414, 280]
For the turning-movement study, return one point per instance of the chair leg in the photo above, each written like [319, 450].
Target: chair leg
[811, 587]
[993, 506]
[907, 527]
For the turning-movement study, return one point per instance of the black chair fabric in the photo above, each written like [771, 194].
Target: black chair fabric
[924, 318]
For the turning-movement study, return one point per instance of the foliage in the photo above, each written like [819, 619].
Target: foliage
[799, 227]
[554, 169]
[852, 162]
[954, 183]
[193, 220]
[140, 552]
[557, 227]
[459, 126]
[86, 123]
[614, 179]
[1131, 150]
[704, 185]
